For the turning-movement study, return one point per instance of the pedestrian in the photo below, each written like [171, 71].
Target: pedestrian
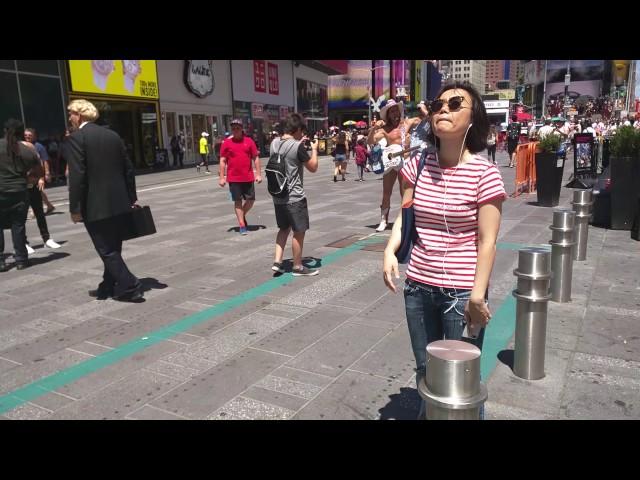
[237, 154]
[31, 137]
[341, 154]
[16, 159]
[204, 153]
[292, 212]
[35, 186]
[513, 138]
[491, 144]
[546, 129]
[102, 188]
[458, 201]
[175, 150]
[362, 154]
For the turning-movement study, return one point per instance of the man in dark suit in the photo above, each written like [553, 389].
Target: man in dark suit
[102, 188]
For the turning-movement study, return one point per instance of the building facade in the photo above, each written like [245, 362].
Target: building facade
[472, 71]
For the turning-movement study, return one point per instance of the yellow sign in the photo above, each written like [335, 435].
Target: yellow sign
[127, 78]
[506, 94]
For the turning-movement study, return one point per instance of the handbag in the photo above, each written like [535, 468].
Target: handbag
[409, 234]
[137, 223]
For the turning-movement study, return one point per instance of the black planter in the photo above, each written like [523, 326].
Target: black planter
[624, 191]
[548, 178]
[635, 228]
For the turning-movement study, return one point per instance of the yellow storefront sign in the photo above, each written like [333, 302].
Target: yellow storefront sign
[506, 94]
[126, 78]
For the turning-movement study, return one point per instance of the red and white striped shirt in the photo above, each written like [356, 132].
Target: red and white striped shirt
[446, 252]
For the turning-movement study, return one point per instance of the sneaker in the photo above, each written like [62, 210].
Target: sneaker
[51, 244]
[344, 179]
[5, 268]
[22, 265]
[243, 230]
[335, 178]
[277, 267]
[305, 272]
[382, 227]
[30, 250]
[208, 172]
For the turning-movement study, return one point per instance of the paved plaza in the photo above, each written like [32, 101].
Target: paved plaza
[220, 337]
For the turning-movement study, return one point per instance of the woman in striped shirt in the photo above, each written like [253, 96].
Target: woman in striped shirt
[457, 204]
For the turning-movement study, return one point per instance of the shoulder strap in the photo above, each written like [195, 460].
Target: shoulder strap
[421, 163]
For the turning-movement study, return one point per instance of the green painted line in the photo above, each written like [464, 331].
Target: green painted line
[69, 375]
[497, 336]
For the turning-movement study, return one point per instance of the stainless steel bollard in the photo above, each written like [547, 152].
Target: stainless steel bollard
[451, 388]
[582, 202]
[562, 254]
[532, 294]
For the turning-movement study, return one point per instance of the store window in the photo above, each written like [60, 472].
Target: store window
[7, 65]
[48, 67]
[42, 105]
[137, 125]
[170, 118]
[9, 101]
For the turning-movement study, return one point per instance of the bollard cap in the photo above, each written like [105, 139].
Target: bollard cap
[453, 350]
[534, 262]
[582, 197]
[563, 218]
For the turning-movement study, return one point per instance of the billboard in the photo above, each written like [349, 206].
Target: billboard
[581, 70]
[381, 78]
[125, 78]
[351, 90]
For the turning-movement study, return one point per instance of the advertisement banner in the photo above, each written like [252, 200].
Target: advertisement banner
[257, 110]
[382, 78]
[401, 72]
[589, 88]
[126, 78]
[274, 87]
[284, 112]
[581, 70]
[259, 76]
[351, 90]
[311, 99]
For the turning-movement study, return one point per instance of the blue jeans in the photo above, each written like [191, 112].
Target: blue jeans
[434, 313]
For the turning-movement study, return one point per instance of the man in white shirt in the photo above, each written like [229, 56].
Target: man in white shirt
[546, 129]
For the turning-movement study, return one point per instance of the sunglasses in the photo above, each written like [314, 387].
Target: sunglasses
[454, 103]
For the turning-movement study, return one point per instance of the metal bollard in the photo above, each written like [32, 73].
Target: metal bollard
[532, 294]
[451, 388]
[562, 254]
[582, 202]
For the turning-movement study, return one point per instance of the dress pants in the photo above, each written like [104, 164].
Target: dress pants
[35, 200]
[106, 237]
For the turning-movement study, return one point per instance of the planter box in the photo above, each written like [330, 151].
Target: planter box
[624, 191]
[548, 178]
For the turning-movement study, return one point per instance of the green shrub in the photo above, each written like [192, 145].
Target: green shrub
[550, 143]
[625, 143]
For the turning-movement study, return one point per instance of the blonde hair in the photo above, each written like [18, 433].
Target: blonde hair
[86, 109]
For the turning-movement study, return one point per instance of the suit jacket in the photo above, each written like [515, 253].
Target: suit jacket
[101, 176]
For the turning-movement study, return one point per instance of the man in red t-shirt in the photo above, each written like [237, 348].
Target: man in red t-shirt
[236, 154]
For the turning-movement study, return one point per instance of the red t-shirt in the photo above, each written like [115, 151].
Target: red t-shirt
[239, 154]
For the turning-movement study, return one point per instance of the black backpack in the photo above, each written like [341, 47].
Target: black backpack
[514, 131]
[276, 172]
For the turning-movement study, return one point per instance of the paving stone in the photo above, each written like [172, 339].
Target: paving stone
[173, 370]
[353, 396]
[28, 411]
[152, 413]
[271, 397]
[209, 391]
[338, 350]
[57, 340]
[6, 365]
[305, 330]
[117, 400]
[610, 335]
[52, 401]
[241, 408]
[289, 387]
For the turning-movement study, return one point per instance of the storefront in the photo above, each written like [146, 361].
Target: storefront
[33, 91]
[263, 95]
[195, 97]
[125, 92]
[497, 111]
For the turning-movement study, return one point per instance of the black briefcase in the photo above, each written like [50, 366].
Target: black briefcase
[137, 223]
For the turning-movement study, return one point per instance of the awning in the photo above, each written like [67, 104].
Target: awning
[523, 116]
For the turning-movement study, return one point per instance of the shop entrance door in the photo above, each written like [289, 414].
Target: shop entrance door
[184, 125]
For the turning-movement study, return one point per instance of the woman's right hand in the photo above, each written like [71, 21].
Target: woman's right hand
[389, 269]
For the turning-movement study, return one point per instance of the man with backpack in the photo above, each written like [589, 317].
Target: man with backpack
[513, 137]
[236, 154]
[284, 174]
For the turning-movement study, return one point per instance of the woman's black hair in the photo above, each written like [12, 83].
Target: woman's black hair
[13, 132]
[477, 136]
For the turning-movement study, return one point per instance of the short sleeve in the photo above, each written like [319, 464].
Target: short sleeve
[410, 169]
[491, 185]
[303, 155]
[253, 148]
